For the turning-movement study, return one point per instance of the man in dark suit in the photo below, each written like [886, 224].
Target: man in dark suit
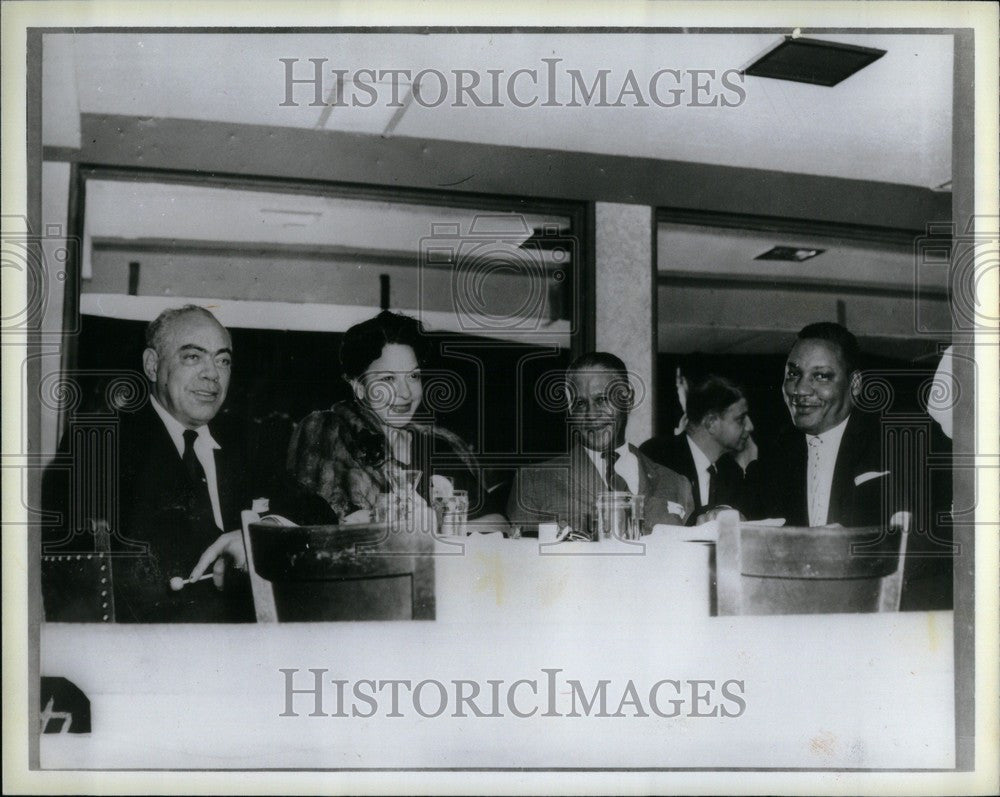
[827, 468]
[564, 489]
[178, 489]
[718, 427]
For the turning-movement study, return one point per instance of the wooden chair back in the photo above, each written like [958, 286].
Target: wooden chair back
[329, 573]
[785, 570]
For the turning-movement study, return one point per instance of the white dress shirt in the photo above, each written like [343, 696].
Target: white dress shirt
[821, 459]
[204, 448]
[701, 466]
[627, 466]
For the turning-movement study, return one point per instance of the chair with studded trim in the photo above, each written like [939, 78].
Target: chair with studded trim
[77, 585]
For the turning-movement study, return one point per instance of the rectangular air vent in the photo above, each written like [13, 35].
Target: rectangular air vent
[821, 63]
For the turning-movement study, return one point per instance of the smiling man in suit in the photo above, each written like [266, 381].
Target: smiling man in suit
[827, 468]
[718, 427]
[178, 488]
[599, 398]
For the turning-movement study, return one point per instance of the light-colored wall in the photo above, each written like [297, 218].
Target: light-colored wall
[758, 319]
[54, 221]
[625, 301]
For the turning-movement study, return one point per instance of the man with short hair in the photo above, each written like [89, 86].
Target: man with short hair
[564, 489]
[718, 427]
[178, 489]
[827, 468]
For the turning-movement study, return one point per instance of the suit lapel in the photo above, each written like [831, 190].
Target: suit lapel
[157, 451]
[843, 474]
[226, 489]
[585, 479]
[798, 497]
[691, 471]
[647, 482]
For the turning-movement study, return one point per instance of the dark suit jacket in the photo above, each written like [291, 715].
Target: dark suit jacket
[564, 489]
[778, 482]
[674, 452]
[777, 479]
[153, 537]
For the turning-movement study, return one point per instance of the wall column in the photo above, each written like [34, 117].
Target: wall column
[625, 293]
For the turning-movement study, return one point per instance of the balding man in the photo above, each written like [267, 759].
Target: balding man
[178, 488]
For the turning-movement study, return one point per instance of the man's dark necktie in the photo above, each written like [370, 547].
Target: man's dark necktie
[713, 486]
[612, 477]
[199, 504]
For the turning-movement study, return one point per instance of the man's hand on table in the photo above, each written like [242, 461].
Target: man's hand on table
[356, 517]
[713, 513]
[487, 524]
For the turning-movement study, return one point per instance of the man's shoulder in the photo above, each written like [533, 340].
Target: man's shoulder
[785, 440]
[668, 493]
[664, 447]
[544, 475]
[538, 486]
[554, 464]
[862, 442]
[658, 472]
[861, 438]
[140, 427]
[863, 428]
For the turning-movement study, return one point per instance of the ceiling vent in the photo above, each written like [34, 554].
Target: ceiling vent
[821, 63]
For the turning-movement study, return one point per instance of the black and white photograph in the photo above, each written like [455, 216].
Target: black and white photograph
[423, 398]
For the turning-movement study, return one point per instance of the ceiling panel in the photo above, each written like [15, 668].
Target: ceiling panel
[891, 122]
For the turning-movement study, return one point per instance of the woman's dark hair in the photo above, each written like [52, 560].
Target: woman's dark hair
[363, 343]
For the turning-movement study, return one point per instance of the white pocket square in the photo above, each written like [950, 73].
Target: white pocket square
[867, 477]
[675, 509]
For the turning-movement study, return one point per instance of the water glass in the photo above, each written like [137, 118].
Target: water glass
[617, 515]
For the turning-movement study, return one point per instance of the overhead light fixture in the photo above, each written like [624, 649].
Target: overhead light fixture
[821, 63]
[790, 254]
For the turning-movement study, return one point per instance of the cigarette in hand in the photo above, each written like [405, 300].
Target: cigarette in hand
[177, 583]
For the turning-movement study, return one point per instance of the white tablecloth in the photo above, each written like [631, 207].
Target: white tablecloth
[866, 691]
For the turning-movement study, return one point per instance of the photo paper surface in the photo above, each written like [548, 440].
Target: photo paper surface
[362, 399]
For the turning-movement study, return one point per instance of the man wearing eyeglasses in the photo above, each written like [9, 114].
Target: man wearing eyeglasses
[564, 489]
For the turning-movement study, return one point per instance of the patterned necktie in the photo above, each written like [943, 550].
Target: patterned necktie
[612, 477]
[199, 503]
[816, 512]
